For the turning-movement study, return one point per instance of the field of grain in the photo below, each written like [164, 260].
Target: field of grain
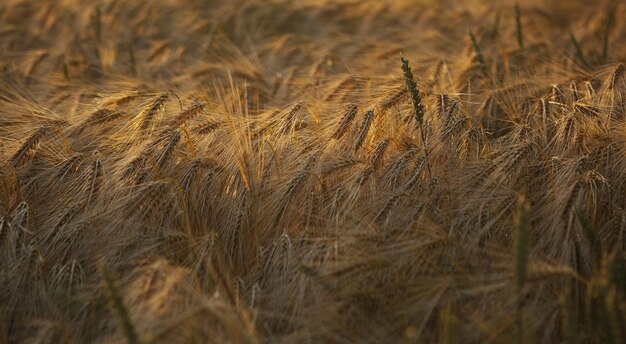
[312, 171]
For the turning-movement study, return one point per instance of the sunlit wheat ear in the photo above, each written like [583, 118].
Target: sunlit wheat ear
[189, 176]
[416, 175]
[379, 153]
[383, 215]
[29, 145]
[395, 98]
[556, 95]
[99, 117]
[447, 111]
[289, 122]
[543, 271]
[135, 167]
[151, 201]
[364, 176]
[437, 75]
[586, 110]
[443, 104]
[346, 122]
[616, 77]
[209, 127]
[339, 164]
[123, 99]
[590, 91]
[69, 165]
[294, 184]
[280, 252]
[68, 216]
[573, 86]
[365, 127]
[166, 153]
[568, 132]
[117, 305]
[474, 143]
[454, 126]
[148, 113]
[345, 85]
[188, 114]
[398, 165]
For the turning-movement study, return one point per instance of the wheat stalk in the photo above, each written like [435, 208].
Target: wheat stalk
[518, 26]
[117, 304]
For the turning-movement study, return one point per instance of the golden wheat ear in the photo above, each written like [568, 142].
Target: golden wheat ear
[365, 127]
[346, 122]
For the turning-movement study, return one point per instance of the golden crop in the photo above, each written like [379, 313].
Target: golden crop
[312, 171]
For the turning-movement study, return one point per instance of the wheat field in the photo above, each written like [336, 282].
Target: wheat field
[312, 171]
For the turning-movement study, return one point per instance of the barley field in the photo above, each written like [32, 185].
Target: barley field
[312, 171]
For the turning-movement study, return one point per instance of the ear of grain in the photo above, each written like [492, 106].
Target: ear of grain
[186, 115]
[393, 99]
[28, 145]
[346, 122]
[478, 51]
[288, 125]
[579, 50]
[418, 107]
[346, 84]
[378, 154]
[70, 165]
[365, 127]
[208, 127]
[148, 113]
[135, 166]
[97, 118]
[190, 174]
[166, 153]
[616, 76]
